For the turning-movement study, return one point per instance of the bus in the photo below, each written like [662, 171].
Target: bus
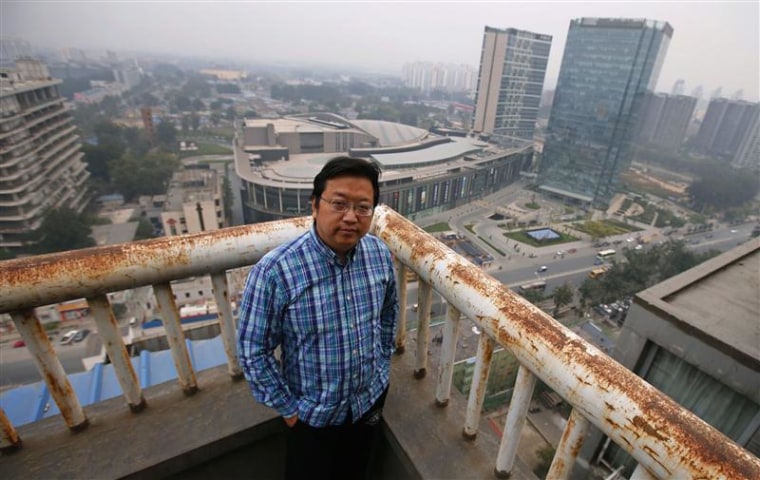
[539, 286]
[597, 272]
[603, 255]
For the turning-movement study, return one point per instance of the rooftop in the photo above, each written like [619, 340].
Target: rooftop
[718, 299]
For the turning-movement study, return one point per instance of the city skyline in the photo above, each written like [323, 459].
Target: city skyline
[714, 44]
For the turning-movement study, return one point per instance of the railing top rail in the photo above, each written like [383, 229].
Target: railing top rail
[41, 280]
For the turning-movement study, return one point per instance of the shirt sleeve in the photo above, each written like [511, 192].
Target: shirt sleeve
[259, 334]
[389, 314]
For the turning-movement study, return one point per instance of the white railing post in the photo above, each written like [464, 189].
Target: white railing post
[9, 439]
[50, 369]
[641, 473]
[425, 294]
[448, 355]
[569, 446]
[478, 387]
[226, 323]
[108, 330]
[175, 337]
[515, 421]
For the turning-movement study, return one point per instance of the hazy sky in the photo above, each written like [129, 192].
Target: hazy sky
[715, 43]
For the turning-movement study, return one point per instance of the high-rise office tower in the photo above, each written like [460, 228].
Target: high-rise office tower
[41, 163]
[510, 82]
[665, 119]
[607, 67]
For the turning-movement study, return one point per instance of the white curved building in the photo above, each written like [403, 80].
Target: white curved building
[277, 159]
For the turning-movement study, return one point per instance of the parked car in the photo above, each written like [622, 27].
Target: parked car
[68, 337]
[81, 334]
[19, 344]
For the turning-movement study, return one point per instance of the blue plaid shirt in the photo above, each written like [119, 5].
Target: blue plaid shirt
[335, 325]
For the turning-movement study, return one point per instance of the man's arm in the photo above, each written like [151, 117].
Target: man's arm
[389, 314]
[259, 333]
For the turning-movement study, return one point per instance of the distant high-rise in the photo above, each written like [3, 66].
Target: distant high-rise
[698, 92]
[664, 120]
[679, 87]
[726, 125]
[12, 48]
[41, 163]
[511, 79]
[428, 76]
[748, 153]
[607, 67]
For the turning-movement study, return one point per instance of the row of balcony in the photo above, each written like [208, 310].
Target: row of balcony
[666, 440]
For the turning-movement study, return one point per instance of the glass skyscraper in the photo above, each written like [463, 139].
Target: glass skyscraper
[607, 67]
[510, 82]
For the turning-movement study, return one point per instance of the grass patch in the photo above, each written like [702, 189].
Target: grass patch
[523, 237]
[469, 228]
[438, 227]
[532, 205]
[605, 228]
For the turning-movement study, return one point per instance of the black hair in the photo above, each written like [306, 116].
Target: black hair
[347, 167]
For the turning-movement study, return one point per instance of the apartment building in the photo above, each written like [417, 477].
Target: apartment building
[41, 164]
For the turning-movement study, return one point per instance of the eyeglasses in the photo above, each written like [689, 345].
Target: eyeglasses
[342, 206]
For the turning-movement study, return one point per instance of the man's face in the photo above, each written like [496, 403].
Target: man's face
[342, 231]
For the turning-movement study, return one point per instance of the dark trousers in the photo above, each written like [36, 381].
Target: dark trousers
[336, 452]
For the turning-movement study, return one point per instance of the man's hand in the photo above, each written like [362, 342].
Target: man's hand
[290, 421]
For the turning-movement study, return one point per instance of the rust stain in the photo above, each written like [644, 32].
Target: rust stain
[642, 424]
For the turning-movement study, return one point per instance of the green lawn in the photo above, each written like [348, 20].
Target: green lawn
[438, 227]
[605, 228]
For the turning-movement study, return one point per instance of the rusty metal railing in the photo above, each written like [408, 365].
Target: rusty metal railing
[666, 440]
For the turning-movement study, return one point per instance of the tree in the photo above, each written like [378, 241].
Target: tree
[533, 296]
[166, 134]
[144, 230]
[562, 295]
[195, 122]
[721, 187]
[641, 270]
[134, 176]
[63, 229]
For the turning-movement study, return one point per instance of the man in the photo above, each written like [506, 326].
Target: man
[328, 300]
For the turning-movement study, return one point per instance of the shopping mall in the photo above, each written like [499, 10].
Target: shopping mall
[422, 172]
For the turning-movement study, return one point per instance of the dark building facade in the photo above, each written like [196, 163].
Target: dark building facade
[607, 67]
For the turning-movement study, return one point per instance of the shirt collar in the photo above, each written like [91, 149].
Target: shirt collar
[328, 252]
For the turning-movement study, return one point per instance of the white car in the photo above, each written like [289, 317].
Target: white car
[542, 268]
[68, 337]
